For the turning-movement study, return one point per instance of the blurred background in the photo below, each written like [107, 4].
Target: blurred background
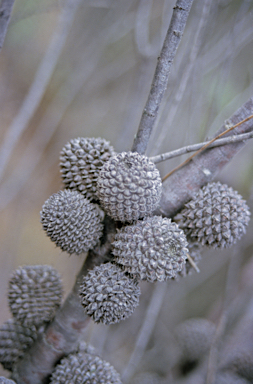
[83, 68]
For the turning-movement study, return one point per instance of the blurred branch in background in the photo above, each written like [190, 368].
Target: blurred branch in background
[191, 62]
[160, 80]
[5, 15]
[60, 103]
[147, 328]
[40, 83]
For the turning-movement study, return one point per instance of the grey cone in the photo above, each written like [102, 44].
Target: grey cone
[152, 249]
[108, 294]
[15, 339]
[217, 216]
[84, 369]
[80, 162]
[72, 222]
[129, 187]
[35, 293]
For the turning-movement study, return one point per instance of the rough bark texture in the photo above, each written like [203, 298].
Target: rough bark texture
[161, 76]
[181, 185]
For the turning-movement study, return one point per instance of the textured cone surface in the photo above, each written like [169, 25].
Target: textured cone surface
[3, 380]
[80, 162]
[35, 294]
[216, 216]
[152, 249]
[108, 294]
[14, 340]
[129, 187]
[71, 221]
[195, 337]
[84, 369]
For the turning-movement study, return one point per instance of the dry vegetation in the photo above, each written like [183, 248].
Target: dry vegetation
[98, 87]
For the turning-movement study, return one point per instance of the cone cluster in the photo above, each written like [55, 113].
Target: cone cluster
[129, 187]
[217, 216]
[35, 294]
[81, 161]
[153, 249]
[108, 294]
[82, 368]
[72, 222]
[15, 339]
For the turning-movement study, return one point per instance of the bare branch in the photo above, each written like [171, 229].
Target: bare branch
[181, 186]
[40, 83]
[5, 15]
[195, 147]
[161, 76]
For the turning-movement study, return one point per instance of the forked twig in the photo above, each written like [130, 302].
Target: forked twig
[195, 147]
[206, 146]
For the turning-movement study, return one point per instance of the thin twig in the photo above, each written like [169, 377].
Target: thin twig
[207, 145]
[161, 76]
[146, 330]
[5, 15]
[192, 262]
[195, 147]
[40, 83]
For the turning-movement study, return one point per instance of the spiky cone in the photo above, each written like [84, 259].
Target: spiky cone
[194, 337]
[35, 293]
[4, 380]
[152, 249]
[108, 294]
[82, 368]
[217, 216]
[81, 161]
[72, 222]
[15, 339]
[129, 187]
